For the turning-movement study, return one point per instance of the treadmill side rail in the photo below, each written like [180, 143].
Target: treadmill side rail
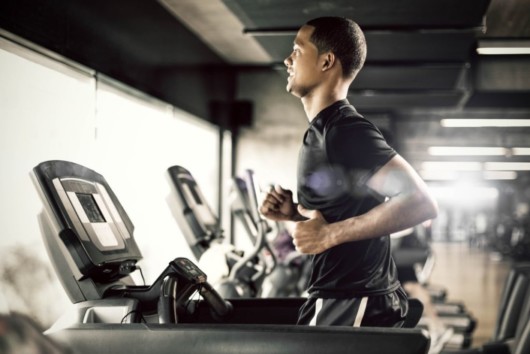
[218, 339]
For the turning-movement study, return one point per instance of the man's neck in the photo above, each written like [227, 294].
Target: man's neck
[316, 101]
[313, 105]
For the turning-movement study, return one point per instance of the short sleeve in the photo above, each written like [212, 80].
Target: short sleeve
[357, 146]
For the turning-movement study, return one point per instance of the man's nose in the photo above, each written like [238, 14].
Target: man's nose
[287, 61]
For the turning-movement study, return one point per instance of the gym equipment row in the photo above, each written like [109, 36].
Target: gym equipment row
[412, 253]
[512, 328]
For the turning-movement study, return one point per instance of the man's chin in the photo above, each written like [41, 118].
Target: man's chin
[289, 88]
[294, 93]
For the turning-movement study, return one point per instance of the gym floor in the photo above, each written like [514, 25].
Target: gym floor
[475, 277]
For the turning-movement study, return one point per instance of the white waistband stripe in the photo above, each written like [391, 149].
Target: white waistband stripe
[360, 313]
[318, 307]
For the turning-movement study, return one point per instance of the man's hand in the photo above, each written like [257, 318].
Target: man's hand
[311, 236]
[278, 204]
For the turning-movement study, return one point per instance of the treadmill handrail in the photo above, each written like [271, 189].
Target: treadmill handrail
[148, 296]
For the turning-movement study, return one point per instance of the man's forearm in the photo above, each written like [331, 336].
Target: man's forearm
[398, 213]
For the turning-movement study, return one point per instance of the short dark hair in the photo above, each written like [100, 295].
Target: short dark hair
[344, 38]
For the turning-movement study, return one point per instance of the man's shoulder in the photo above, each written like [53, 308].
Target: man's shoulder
[348, 118]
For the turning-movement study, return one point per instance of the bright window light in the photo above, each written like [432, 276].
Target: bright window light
[461, 122]
[465, 195]
[451, 166]
[467, 151]
[507, 166]
[431, 175]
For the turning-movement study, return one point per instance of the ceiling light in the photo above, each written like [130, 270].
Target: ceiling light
[461, 122]
[442, 175]
[467, 151]
[507, 166]
[477, 151]
[504, 47]
[503, 51]
[520, 151]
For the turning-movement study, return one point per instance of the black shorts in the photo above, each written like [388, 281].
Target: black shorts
[387, 310]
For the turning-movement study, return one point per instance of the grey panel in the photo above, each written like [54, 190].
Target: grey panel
[503, 73]
[392, 100]
[499, 99]
[419, 77]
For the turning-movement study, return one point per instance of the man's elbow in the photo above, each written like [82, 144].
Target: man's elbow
[430, 206]
[426, 205]
[433, 208]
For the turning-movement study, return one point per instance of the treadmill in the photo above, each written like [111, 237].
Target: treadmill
[90, 242]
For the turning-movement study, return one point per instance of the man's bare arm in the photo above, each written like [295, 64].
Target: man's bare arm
[409, 203]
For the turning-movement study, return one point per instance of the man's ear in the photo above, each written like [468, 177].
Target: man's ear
[329, 61]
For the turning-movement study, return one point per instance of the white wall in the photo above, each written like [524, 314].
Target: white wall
[136, 142]
[270, 146]
[49, 110]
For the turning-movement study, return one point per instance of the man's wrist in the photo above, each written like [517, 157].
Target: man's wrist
[334, 234]
[296, 215]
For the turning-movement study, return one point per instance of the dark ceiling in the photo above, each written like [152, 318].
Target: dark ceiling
[421, 54]
[422, 61]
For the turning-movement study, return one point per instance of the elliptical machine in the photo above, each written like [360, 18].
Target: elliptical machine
[236, 273]
[289, 276]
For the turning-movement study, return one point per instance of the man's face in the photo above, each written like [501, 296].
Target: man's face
[303, 64]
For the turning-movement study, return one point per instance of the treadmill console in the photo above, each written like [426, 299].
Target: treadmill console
[96, 220]
[189, 271]
[88, 219]
[197, 221]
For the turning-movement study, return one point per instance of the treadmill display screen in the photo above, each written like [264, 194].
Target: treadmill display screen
[90, 207]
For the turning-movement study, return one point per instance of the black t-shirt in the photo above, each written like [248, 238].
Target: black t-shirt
[341, 151]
